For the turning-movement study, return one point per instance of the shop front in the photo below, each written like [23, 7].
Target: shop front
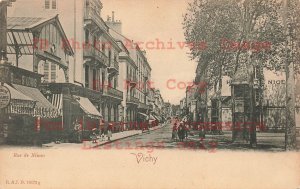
[90, 118]
[20, 118]
[79, 109]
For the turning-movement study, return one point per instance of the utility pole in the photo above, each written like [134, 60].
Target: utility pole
[290, 129]
[3, 29]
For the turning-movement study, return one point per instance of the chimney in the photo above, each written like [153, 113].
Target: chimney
[114, 24]
[144, 53]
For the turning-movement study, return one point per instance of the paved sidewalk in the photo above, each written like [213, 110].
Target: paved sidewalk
[100, 142]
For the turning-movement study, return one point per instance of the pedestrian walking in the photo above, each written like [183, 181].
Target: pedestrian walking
[102, 134]
[181, 132]
[78, 131]
[174, 132]
[94, 135]
[109, 132]
[186, 130]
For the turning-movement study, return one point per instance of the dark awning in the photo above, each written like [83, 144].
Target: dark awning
[88, 107]
[145, 116]
[152, 117]
[157, 117]
[16, 95]
[20, 104]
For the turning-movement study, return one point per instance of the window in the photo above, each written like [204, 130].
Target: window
[87, 68]
[94, 80]
[116, 83]
[214, 111]
[53, 4]
[87, 36]
[95, 42]
[112, 114]
[50, 4]
[46, 71]
[47, 4]
[103, 80]
[103, 47]
[109, 58]
[239, 91]
[53, 72]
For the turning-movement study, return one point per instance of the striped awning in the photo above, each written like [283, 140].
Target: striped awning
[43, 107]
[57, 101]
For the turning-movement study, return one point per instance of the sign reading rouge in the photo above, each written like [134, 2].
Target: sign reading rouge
[4, 97]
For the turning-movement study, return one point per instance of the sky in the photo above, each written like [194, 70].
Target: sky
[150, 22]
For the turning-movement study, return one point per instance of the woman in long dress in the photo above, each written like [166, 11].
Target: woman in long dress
[174, 132]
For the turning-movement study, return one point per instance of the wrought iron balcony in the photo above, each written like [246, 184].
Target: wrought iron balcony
[151, 108]
[132, 100]
[94, 54]
[91, 15]
[7, 2]
[143, 106]
[113, 67]
[112, 92]
[132, 81]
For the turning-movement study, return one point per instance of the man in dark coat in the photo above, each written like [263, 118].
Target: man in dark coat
[181, 132]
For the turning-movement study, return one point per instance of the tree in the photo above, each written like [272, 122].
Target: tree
[275, 94]
[240, 21]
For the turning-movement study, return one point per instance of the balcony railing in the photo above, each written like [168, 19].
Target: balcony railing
[92, 52]
[91, 13]
[131, 80]
[114, 64]
[132, 99]
[112, 92]
[142, 106]
[58, 88]
[151, 107]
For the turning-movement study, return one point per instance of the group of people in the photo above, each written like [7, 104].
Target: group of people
[179, 131]
[94, 134]
[100, 134]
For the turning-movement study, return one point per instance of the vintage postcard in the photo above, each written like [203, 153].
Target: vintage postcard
[149, 94]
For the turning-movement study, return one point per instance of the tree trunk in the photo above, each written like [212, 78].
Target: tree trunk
[290, 131]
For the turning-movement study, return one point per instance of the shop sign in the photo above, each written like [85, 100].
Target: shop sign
[5, 97]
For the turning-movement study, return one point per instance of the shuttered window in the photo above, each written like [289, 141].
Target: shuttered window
[53, 4]
[53, 72]
[46, 72]
[50, 4]
[47, 4]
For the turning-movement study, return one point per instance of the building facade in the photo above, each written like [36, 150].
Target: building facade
[88, 71]
[135, 75]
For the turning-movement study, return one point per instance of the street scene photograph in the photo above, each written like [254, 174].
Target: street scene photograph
[140, 77]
